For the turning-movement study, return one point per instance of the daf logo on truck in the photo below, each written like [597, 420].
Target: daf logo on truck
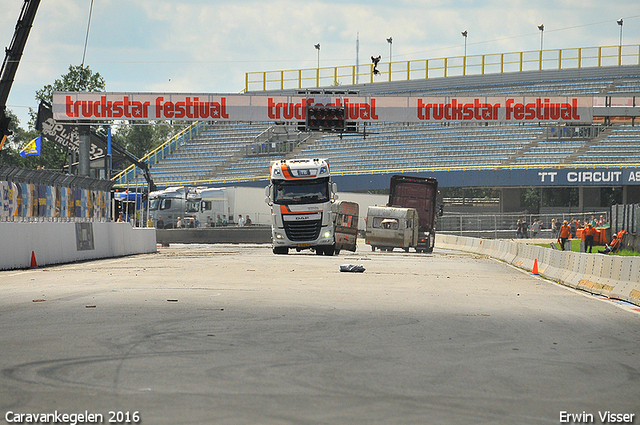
[305, 210]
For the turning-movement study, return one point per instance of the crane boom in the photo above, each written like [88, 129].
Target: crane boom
[13, 54]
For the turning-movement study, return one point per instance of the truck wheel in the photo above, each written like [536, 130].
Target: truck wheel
[319, 250]
[280, 250]
[329, 250]
[336, 252]
[373, 248]
[406, 249]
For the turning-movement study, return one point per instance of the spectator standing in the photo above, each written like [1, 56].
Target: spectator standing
[240, 221]
[535, 228]
[573, 227]
[179, 223]
[602, 221]
[565, 234]
[247, 221]
[518, 230]
[224, 220]
[160, 223]
[524, 228]
[589, 236]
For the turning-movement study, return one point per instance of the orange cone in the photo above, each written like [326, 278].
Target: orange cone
[34, 264]
[535, 267]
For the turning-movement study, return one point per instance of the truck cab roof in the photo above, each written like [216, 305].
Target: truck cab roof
[294, 169]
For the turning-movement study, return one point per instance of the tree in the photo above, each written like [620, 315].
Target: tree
[9, 154]
[78, 78]
[52, 156]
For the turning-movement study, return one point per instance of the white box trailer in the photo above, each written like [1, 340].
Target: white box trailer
[249, 201]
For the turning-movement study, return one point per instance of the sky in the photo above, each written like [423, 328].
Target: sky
[207, 46]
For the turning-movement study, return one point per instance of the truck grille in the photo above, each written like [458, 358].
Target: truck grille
[303, 230]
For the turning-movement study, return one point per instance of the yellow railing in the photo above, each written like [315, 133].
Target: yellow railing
[491, 63]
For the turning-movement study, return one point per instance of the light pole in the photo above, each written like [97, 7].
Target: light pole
[619, 21]
[317, 46]
[464, 59]
[464, 34]
[390, 41]
[541, 28]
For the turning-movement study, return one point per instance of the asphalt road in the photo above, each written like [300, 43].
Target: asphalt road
[232, 334]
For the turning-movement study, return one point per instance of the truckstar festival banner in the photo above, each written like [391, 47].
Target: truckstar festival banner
[74, 106]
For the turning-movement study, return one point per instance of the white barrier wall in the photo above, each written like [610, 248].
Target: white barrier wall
[609, 275]
[56, 243]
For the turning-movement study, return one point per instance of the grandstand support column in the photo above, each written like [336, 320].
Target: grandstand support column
[510, 200]
[84, 150]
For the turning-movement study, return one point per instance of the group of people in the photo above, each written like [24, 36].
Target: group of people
[187, 222]
[568, 229]
[523, 229]
[220, 221]
[193, 222]
[244, 221]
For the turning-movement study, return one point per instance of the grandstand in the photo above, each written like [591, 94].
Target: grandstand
[240, 153]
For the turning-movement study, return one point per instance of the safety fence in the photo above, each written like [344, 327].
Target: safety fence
[494, 63]
[610, 276]
[38, 195]
[626, 217]
[496, 226]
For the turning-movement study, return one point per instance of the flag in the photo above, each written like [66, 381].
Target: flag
[32, 148]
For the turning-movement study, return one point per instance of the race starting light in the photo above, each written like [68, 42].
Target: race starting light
[325, 118]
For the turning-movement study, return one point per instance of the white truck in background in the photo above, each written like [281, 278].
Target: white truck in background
[304, 212]
[203, 205]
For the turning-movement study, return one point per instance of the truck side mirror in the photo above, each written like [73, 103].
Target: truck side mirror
[267, 194]
[334, 191]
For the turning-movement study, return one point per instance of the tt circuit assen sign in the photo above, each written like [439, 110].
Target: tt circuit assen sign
[222, 107]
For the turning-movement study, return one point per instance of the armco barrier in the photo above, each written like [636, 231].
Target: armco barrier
[612, 276]
[66, 242]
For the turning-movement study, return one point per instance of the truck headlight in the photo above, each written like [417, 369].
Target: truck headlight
[327, 234]
[279, 236]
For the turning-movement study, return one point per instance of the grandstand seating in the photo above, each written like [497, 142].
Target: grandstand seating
[220, 151]
[621, 146]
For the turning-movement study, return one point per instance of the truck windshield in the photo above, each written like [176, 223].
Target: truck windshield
[301, 192]
[154, 204]
[193, 206]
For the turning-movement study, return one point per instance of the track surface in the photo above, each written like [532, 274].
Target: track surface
[232, 334]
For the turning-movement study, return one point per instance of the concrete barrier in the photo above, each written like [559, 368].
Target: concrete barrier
[611, 276]
[231, 234]
[57, 243]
